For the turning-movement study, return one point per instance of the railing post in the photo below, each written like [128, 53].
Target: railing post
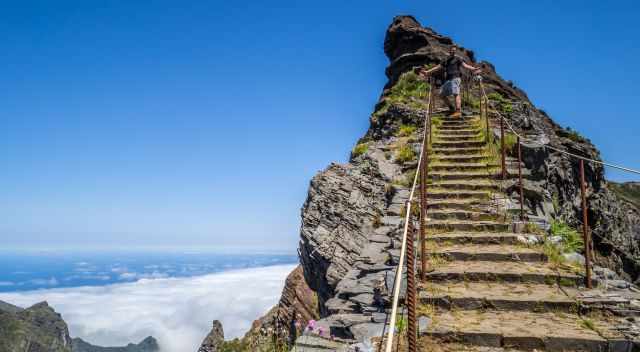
[504, 163]
[520, 178]
[424, 170]
[411, 286]
[430, 111]
[585, 226]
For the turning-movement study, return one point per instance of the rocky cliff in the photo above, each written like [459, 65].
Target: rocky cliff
[351, 219]
[352, 209]
[35, 329]
[39, 328]
[149, 344]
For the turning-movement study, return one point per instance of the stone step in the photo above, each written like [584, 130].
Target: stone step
[458, 166]
[544, 331]
[459, 204]
[457, 138]
[437, 175]
[458, 127]
[483, 237]
[462, 225]
[504, 272]
[504, 296]
[458, 132]
[485, 185]
[459, 214]
[489, 252]
[471, 158]
[457, 144]
[454, 120]
[436, 151]
[444, 193]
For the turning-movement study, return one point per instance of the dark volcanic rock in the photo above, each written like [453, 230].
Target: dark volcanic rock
[35, 329]
[554, 180]
[215, 340]
[149, 344]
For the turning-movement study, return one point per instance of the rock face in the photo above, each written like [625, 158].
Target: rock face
[149, 344]
[352, 217]
[215, 340]
[298, 305]
[350, 220]
[40, 329]
[35, 329]
[552, 190]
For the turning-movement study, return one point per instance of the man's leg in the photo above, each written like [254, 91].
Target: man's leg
[458, 102]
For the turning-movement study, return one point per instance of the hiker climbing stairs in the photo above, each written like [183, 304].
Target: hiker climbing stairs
[485, 286]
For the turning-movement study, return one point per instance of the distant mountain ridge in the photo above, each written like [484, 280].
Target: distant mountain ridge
[149, 344]
[40, 328]
[628, 191]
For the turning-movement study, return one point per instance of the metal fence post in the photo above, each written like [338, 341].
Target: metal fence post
[585, 226]
[504, 163]
[520, 177]
[411, 286]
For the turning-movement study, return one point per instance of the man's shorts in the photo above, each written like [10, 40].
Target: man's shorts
[451, 87]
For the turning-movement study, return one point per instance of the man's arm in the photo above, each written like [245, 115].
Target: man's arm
[427, 72]
[472, 68]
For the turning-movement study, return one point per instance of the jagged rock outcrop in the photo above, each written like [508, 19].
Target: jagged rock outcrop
[149, 344]
[214, 340]
[552, 190]
[35, 329]
[40, 328]
[284, 322]
[351, 220]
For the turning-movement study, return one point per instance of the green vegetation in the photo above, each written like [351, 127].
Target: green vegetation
[406, 130]
[401, 325]
[575, 135]
[410, 90]
[629, 191]
[501, 103]
[405, 154]
[510, 140]
[588, 324]
[359, 149]
[571, 239]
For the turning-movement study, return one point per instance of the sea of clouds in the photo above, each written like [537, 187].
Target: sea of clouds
[176, 311]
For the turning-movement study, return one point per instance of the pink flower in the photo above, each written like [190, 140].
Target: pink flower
[311, 325]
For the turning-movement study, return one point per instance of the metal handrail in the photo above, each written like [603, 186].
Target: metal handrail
[585, 223]
[407, 220]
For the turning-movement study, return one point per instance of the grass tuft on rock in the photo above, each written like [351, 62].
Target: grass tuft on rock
[406, 130]
[359, 149]
[405, 154]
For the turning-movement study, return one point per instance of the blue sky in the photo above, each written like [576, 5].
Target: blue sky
[201, 123]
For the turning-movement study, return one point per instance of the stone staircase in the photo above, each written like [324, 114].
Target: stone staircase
[487, 290]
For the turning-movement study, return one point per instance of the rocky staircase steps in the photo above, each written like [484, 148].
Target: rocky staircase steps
[546, 331]
[480, 237]
[503, 271]
[503, 296]
[486, 252]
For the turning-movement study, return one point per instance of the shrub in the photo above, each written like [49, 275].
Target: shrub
[502, 104]
[575, 135]
[405, 154]
[571, 239]
[410, 90]
[359, 149]
[510, 140]
[406, 130]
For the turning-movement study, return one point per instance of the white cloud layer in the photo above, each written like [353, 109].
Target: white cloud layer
[177, 311]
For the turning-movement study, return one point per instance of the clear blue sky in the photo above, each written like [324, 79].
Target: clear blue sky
[171, 123]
